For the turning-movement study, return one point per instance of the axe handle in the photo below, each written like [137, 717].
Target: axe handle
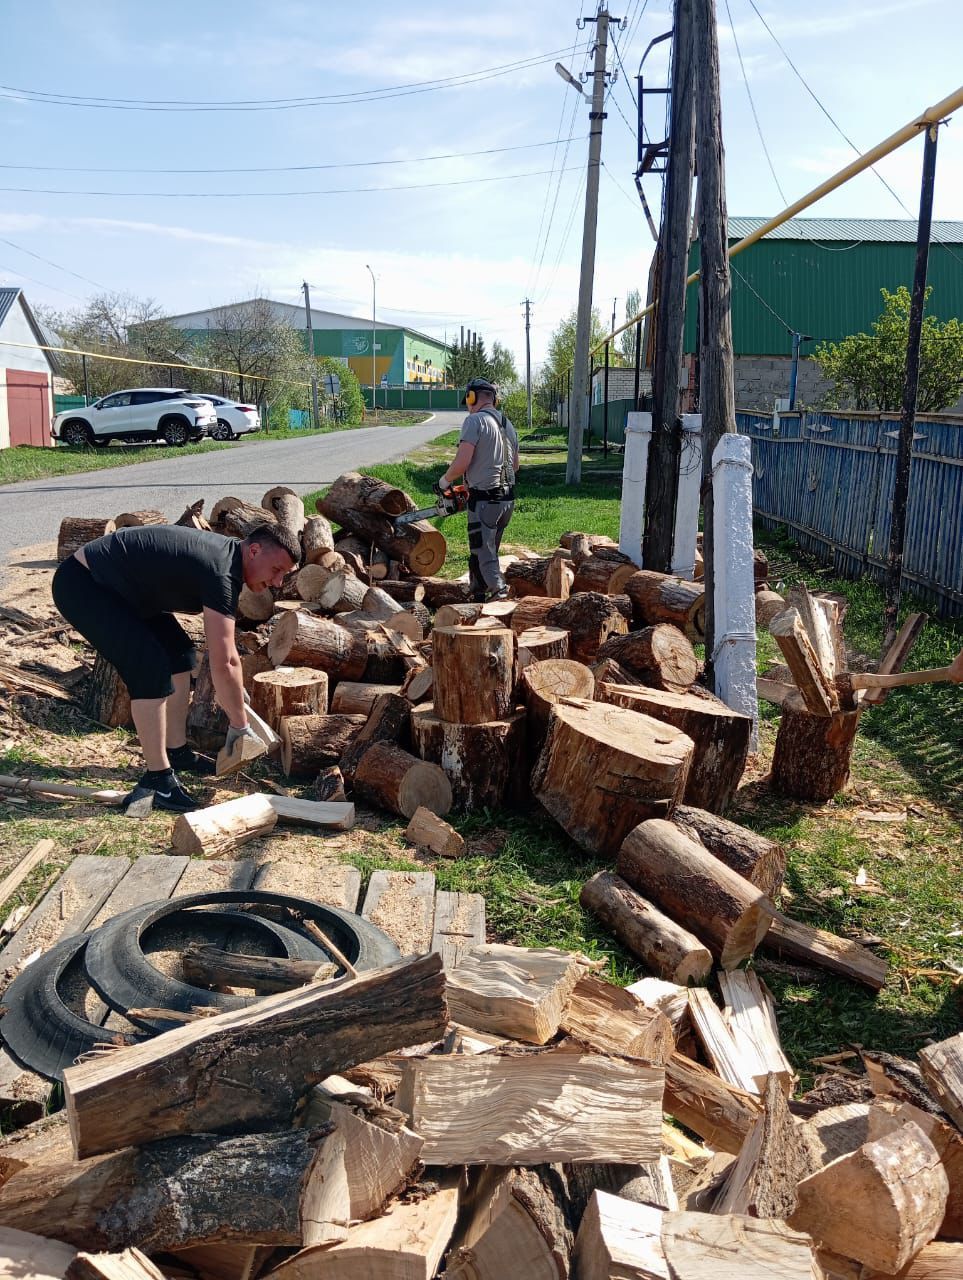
[953, 672]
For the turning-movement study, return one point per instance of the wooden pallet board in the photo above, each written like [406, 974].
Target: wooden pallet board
[153, 875]
[335, 884]
[459, 925]
[402, 903]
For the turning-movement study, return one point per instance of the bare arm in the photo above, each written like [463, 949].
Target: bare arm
[225, 666]
[459, 464]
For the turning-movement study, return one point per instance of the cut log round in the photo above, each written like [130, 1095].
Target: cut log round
[592, 540]
[544, 682]
[237, 518]
[608, 671]
[599, 573]
[659, 597]
[286, 507]
[357, 697]
[542, 644]
[379, 604]
[660, 656]
[670, 951]
[365, 507]
[417, 685]
[136, 519]
[756, 858]
[537, 577]
[702, 894]
[439, 591]
[302, 640]
[310, 581]
[473, 674]
[486, 764]
[312, 743]
[388, 776]
[768, 605]
[603, 770]
[107, 700]
[466, 615]
[721, 737]
[207, 725]
[590, 618]
[387, 721]
[77, 531]
[317, 538]
[289, 691]
[256, 606]
[342, 593]
[532, 611]
[813, 753]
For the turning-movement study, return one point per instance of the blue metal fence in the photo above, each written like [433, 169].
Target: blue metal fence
[829, 478]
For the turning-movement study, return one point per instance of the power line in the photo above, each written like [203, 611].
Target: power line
[758, 296]
[633, 200]
[752, 106]
[275, 104]
[43, 283]
[558, 189]
[56, 265]
[548, 185]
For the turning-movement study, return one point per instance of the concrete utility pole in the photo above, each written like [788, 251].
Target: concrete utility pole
[717, 400]
[315, 411]
[528, 358]
[583, 324]
[374, 345]
[673, 255]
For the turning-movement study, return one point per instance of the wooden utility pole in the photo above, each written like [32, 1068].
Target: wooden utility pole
[717, 400]
[673, 256]
[315, 411]
[583, 322]
[907, 423]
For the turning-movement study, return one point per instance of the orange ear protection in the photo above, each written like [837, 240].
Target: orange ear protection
[471, 398]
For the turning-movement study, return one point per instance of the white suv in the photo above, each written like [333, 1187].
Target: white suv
[146, 413]
[233, 419]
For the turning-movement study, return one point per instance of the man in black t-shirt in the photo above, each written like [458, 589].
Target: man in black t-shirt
[121, 592]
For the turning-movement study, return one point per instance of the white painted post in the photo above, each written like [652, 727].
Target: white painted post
[734, 657]
[689, 498]
[635, 470]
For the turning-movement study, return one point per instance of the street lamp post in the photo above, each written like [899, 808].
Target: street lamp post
[374, 330]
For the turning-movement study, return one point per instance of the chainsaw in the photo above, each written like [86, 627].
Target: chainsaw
[450, 502]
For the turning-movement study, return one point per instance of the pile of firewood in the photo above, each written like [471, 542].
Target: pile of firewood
[508, 1114]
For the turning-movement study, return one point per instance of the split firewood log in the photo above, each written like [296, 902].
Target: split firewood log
[365, 507]
[487, 764]
[659, 597]
[216, 830]
[719, 1113]
[388, 776]
[515, 992]
[693, 1244]
[756, 858]
[77, 531]
[237, 518]
[286, 507]
[302, 640]
[290, 691]
[942, 1067]
[193, 517]
[313, 742]
[887, 1115]
[665, 947]
[607, 1018]
[659, 656]
[517, 1217]
[428, 831]
[329, 785]
[388, 721]
[590, 618]
[136, 519]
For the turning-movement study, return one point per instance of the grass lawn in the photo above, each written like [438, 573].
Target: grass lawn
[882, 863]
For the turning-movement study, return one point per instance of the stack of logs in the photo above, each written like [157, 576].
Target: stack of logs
[500, 1112]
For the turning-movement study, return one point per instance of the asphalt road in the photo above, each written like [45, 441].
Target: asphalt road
[30, 512]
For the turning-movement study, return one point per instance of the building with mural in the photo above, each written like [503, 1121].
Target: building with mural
[402, 357]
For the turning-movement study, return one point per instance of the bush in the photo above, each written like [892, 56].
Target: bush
[515, 406]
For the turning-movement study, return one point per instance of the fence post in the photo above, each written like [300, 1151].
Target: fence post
[689, 496]
[605, 408]
[638, 362]
[734, 653]
[635, 466]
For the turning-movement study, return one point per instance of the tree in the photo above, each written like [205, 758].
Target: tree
[868, 369]
[561, 350]
[467, 360]
[633, 305]
[251, 341]
[501, 368]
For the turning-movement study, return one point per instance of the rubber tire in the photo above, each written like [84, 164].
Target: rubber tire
[124, 976]
[175, 431]
[80, 431]
[223, 431]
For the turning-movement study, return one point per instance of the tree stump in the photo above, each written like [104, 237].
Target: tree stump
[388, 776]
[659, 597]
[289, 691]
[602, 574]
[467, 615]
[544, 683]
[754, 857]
[388, 721]
[541, 644]
[603, 770]
[813, 753]
[77, 531]
[317, 538]
[532, 611]
[590, 618]
[474, 674]
[365, 506]
[107, 700]
[312, 743]
[286, 507]
[136, 519]
[671, 952]
[237, 518]
[486, 764]
[302, 640]
[683, 879]
[660, 656]
[207, 725]
[721, 737]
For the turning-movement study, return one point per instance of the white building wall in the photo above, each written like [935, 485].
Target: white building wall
[284, 312]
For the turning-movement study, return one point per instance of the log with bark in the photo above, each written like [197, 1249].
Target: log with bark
[824, 950]
[357, 697]
[136, 519]
[528, 577]
[617, 1237]
[721, 737]
[813, 753]
[208, 966]
[543, 683]
[207, 725]
[417, 685]
[756, 858]
[816, 688]
[942, 1067]
[603, 770]
[388, 776]
[405, 590]
[365, 507]
[679, 875]
[311, 743]
[107, 700]
[886, 1115]
[193, 517]
[603, 573]
[659, 597]
[77, 531]
[474, 674]
[388, 721]
[662, 945]
[289, 691]
[237, 518]
[590, 618]
[608, 671]
[216, 830]
[329, 785]
[659, 656]
[248, 1068]
[439, 591]
[317, 538]
[487, 764]
[532, 611]
[341, 592]
[542, 644]
[302, 640]
[768, 605]
[593, 541]
[286, 507]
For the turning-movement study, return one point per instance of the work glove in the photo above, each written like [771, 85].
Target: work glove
[235, 735]
[439, 487]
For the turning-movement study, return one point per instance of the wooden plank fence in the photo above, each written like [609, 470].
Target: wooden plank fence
[828, 477]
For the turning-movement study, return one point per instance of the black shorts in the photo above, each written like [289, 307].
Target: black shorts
[145, 651]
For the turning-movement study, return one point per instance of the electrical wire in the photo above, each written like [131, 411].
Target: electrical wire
[759, 298]
[752, 106]
[275, 104]
[56, 265]
[44, 284]
[633, 200]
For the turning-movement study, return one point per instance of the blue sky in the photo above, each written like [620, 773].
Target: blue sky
[468, 252]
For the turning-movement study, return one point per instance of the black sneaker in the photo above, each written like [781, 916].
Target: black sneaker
[503, 593]
[184, 760]
[169, 796]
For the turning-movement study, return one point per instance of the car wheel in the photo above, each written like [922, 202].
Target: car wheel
[100, 442]
[222, 431]
[175, 431]
[76, 433]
